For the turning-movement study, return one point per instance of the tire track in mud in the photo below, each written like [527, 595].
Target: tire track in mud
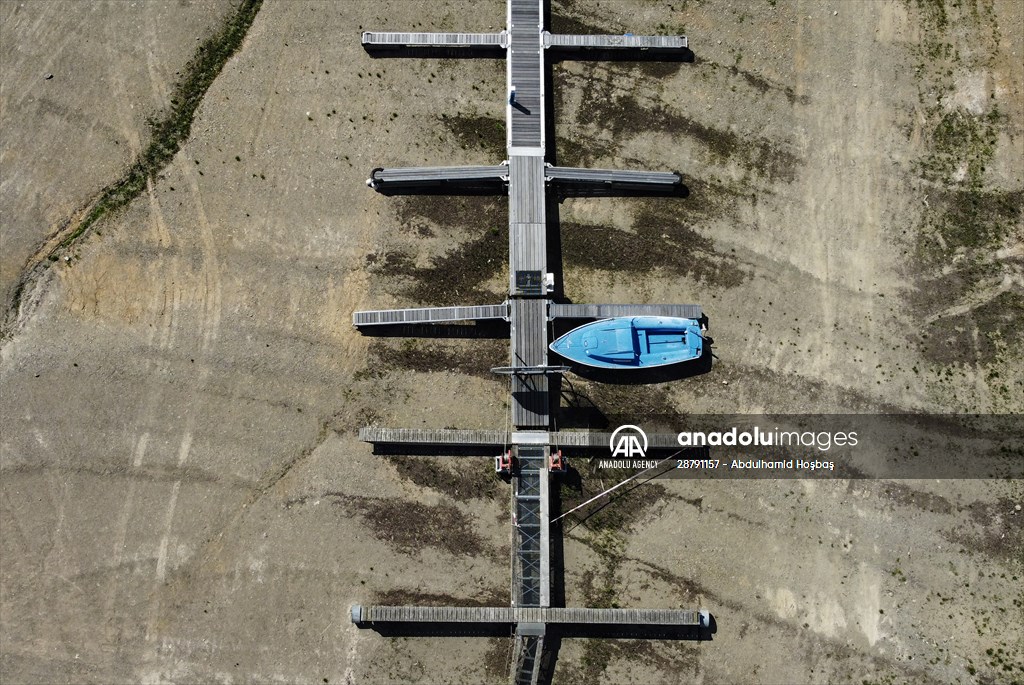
[209, 326]
[164, 317]
[163, 324]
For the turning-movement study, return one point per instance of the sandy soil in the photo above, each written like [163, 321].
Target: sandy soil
[112, 65]
[183, 494]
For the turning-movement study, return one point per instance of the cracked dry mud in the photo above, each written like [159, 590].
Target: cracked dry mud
[183, 497]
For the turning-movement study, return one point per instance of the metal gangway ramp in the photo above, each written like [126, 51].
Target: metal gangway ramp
[532, 543]
[531, 564]
[526, 176]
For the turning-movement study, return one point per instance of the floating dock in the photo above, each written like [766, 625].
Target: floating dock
[526, 176]
[391, 317]
[596, 440]
[624, 42]
[377, 39]
[370, 615]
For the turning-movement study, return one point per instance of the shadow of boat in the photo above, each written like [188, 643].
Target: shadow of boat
[634, 376]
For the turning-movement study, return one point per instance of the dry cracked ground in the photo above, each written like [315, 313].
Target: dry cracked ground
[183, 495]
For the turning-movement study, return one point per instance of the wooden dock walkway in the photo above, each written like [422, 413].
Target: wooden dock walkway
[527, 222]
[532, 183]
[527, 229]
[390, 39]
[624, 179]
[519, 614]
[609, 42]
[525, 71]
[607, 311]
[426, 177]
[530, 400]
[597, 440]
[527, 216]
[391, 317]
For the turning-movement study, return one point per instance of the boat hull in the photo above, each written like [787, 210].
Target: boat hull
[632, 342]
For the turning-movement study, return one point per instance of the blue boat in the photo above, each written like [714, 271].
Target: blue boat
[632, 342]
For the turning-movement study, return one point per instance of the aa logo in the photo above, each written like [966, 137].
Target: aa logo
[628, 441]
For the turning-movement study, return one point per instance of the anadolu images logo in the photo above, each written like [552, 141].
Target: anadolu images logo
[628, 444]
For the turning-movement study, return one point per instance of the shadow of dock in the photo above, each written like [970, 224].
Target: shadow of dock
[621, 54]
[460, 52]
[483, 330]
[565, 191]
[455, 188]
[555, 631]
